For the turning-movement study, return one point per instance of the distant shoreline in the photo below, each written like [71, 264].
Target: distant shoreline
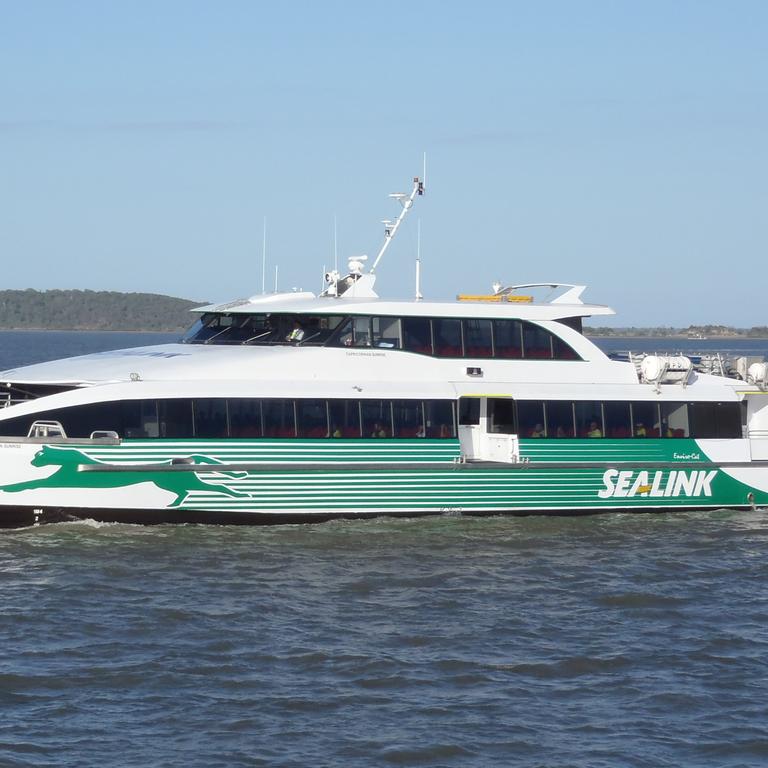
[674, 337]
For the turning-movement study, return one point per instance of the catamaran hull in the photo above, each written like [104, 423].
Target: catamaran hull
[274, 481]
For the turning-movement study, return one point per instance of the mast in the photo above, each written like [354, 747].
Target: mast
[391, 227]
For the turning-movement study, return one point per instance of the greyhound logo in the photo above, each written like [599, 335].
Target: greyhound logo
[68, 475]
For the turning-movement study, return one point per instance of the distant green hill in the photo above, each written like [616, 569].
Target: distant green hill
[94, 311]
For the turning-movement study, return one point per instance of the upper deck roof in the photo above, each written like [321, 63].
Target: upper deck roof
[568, 304]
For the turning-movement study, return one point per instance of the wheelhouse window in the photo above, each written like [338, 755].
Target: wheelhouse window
[478, 338]
[442, 337]
[417, 335]
[508, 339]
[385, 332]
[537, 342]
[446, 333]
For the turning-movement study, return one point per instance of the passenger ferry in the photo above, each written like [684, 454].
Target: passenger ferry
[291, 407]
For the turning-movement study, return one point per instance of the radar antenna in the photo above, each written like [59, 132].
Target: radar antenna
[357, 283]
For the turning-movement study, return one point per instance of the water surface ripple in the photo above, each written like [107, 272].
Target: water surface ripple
[611, 640]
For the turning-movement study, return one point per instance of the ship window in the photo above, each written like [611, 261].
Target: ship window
[318, 330]
[355, 332]
[408, 418]
[175, 418]
[729, 420]
[530, 418]
[377, 418]
[537, 342]
[210, 417]
[508, 338]
[645, 420]
[386, 332]
[192, 333]
[345, 418]
[469, 410]
[417, 335]
[589, 419]
[561, 350]
[501, 415]
[312, 418]
[140, 419]
[559, 418]
[447, 335]
[440, 420]
[674, 420]
[618, 419]
[716, 420]
[244, 417]
[478, 338]
[573, 322]
[279, 418]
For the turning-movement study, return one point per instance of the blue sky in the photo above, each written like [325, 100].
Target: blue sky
[618, 144]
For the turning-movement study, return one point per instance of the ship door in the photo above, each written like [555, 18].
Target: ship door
[499, 430]
[757, 426]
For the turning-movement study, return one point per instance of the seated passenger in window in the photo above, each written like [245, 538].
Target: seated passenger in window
[297, 334]
[594, 430]
[538, 431]
[378, 430]
[421, 432]
[640, 430]
[561, 432]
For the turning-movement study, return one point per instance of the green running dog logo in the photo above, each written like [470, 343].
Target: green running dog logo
[182, 483]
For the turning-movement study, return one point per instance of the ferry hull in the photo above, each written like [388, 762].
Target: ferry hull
[273, 481]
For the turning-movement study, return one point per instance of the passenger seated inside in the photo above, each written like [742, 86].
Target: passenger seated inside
[640, 430]
[538, 431]
[378, 430]
[594, 430]
[297, 334]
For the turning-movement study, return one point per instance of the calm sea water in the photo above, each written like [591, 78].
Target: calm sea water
[614, 640]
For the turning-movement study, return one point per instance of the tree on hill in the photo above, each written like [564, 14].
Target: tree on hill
[94, 310]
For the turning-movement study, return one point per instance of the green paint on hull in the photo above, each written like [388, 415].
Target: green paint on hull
[342, 487]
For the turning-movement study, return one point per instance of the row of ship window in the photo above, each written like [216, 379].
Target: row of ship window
[438, 337]
[401, 418]
[251, 417]
[613, 419]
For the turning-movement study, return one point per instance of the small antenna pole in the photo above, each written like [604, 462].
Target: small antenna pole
[264, 258]
[275, 278]
[335, 246]
[419, 295]
[424, 172]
